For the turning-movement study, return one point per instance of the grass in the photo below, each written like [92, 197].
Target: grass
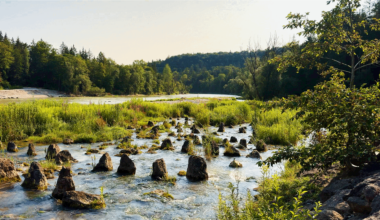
[280, 197]
[49, 164]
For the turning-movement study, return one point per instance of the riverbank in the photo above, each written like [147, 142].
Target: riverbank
[30, 93]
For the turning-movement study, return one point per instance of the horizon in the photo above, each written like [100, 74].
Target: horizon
[126, 31]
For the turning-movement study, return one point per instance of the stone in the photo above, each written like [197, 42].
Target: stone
[194, 129]
[196, 169]
[35, 178]
[31, 150]
[179, 130]
[68, 141]
[185, 147]
[64, 157]
[221, 127]
[105, 164]
[231, 152]
[329, 215]
[337, 203]
[242, 130]
[370, 192]
[243, 142]
[159, 170]
[254, 154]
[52, 151]
[126, 167]
[214, 148]
[8, 171]
[12, 147]
[49, 173]
[235, 164]
[129, 151]
[65, 183]
[82, 200]
[375, 205]
[150, 124]
[261, 146]
[93, 151]
[374, 216]
[335, 186]
[359, 205]
[196, 140]
[233, 139]
[166, 144]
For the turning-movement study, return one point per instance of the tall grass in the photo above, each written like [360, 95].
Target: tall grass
[277, 127]
[48, 121]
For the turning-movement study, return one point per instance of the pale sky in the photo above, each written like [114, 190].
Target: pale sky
[152, 29]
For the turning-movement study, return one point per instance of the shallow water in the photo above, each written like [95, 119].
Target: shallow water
[124, 195]
[121, 99]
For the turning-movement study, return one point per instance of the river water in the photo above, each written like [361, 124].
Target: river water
[124, 195]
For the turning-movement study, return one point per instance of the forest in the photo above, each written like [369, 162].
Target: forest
[252, 73]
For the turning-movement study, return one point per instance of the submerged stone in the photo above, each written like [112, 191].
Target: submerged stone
[64, 157]
[52, 151]
[82, 200]
[12, 147]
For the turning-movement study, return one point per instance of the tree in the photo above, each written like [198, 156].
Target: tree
[168, 79]
[6, 58]
[341, 30]
[345, 123]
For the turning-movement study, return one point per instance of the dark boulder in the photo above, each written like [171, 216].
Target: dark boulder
[126, 167]
[254, 154]
[12, 147]
[221, 127]
[194, 129]
[150, 124]
[242, 130]
[261, 146]
[65, 183]
[52, 151]
[196, 169]
[231, 152]
[185, 147]
[31, 150]
[36, 178]
[159, 170]
[64, 157]
[105, 163]
[243, 143]
[214, 148]
[130, 151]
[233, 139]
[8, 171]
[82, 200]
[166, 144]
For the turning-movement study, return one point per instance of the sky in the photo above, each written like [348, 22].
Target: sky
[149, 30]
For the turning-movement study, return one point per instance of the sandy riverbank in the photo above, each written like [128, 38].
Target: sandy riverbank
[27, 93]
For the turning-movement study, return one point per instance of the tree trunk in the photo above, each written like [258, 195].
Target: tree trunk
[352, 70]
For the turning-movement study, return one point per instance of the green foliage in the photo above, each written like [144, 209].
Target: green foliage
[280, 197]
[350, 117]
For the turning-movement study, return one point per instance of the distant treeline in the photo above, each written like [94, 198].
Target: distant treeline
[247, 73]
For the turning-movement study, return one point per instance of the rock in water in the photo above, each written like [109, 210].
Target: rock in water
[159, 170]
[221, 127]
[36, 178]
[196, 169]
[254, 154]
[195, 130]
[105, 163]
[235, 164]
[261, 146]
[243, 143]
[68, 141]
[8, 171]
[214, 148]
[65, 183]
[31, 150]
[185, 147]
[150, 124]
[52, 151]
[242, 130]
[233, 139]
[64, 157]
[82, 200]
[196, 139]
[12, 147]
[166, 144]
[231, 152]
[126, 167]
